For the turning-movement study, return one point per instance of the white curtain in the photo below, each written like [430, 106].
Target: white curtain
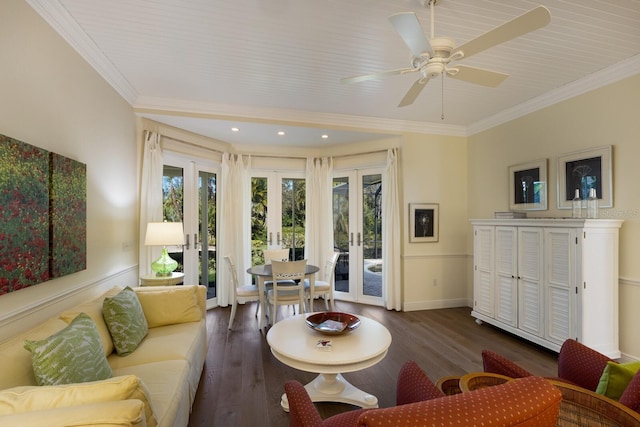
[235, 226]
[392, 290]
[150, 197]
[319, 216]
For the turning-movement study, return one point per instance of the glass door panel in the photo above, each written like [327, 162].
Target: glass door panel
[259, 219]
[189, 196]
[293, 217]
[207, 261]
[371, 187]
[357, 234]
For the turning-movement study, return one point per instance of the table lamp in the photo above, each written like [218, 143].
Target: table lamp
[163, 234]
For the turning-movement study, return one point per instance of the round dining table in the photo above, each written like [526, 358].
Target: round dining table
[263, 273]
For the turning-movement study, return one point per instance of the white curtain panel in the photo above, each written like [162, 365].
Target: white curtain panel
[150, 197]
[235, 225]
[318, 241]
[392, 290]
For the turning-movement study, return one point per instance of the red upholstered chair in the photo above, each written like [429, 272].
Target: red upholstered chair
[631, 395]
[303, 413]
[414, 385]
[509, 404]
[580, 364]
[495, 363]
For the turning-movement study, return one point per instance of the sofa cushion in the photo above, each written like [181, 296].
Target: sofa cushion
[497, 364]
[72, 355]
[615, 378]
[184, 341]
[29, 398]
[125, 319]
[168, 387]
[169, 306]
[129, 413]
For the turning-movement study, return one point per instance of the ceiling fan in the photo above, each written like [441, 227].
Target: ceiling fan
[431, 57]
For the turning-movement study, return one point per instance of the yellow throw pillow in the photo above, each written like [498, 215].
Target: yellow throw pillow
[39, 398]
[170, 305]
[616, 377]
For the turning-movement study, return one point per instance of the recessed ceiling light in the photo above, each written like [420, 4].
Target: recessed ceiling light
[234, 129]
[325, 136]
[281, 132]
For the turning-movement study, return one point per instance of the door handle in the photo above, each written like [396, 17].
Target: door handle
[270, 239]
[351, 240]
[186, 246]
[195, 241]
[278, 239]
[359, 239]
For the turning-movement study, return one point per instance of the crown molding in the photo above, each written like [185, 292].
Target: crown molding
[226, 111]
[61, 21]
[609, 75]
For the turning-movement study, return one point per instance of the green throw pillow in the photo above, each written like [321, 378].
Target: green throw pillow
[616, 377]
[125, 319]
[72, 355]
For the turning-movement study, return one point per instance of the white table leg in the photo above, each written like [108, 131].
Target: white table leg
[335, 388]
[263, 305]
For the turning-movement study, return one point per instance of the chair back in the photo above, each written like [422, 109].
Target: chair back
[288, 270]
[275, 254]
[330, 267]
[232, 271]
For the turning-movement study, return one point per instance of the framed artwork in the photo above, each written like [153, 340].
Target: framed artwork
[423, 222]
[584, 170]
[528, 186]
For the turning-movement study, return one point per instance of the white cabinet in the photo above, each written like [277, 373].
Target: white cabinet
[547, 280]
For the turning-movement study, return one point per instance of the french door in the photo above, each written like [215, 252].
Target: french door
[277, 214]
[357, 231]
[189, 191]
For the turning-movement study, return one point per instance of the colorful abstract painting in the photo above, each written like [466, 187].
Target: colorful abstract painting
[42, 215]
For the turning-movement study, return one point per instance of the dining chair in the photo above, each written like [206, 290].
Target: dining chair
[244, 293]
[275, 254]
[324, 287]
[287, 287]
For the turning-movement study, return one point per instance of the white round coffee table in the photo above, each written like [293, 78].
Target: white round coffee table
[295, 344]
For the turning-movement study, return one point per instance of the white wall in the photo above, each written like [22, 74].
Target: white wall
[607, 116]
[53, 99]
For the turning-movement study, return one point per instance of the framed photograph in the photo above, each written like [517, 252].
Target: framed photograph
[584, 170]
[528, 186]
[423, 222]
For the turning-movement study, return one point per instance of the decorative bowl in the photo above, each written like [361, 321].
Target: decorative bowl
[332, 323]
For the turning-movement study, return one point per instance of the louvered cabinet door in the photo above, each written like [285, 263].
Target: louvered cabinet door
[484, 267]
[506, 284]
[561, 284]
[530, 283]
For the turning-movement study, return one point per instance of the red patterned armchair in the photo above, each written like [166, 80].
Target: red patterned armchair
[419, 400]
[577, 364]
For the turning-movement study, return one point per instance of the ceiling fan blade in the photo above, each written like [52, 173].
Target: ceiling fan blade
[478, 76]
[378, 75]
[408, 27]
[534, 19]
[413, 92]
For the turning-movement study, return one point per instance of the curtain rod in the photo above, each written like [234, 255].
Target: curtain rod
[290, 157]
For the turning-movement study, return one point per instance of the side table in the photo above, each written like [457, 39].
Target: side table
[153, 280]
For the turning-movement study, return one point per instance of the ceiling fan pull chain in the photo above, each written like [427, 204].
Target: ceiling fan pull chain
[442, 116]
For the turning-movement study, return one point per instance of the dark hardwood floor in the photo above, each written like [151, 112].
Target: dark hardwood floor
[242, 381]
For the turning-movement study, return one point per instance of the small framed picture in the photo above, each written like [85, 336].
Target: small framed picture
[423, 222]
[528, 186]
[583, 170]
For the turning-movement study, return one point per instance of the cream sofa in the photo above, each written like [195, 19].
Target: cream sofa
[154, 385]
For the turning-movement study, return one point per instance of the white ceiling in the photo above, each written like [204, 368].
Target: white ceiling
[208, 65]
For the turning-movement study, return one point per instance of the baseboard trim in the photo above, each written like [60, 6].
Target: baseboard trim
[434, 305]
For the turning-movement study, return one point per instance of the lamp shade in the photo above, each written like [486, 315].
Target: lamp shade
[164, 233]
